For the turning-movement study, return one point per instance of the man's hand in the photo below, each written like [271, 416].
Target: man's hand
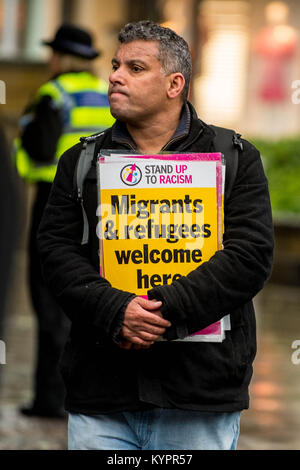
[143, 323]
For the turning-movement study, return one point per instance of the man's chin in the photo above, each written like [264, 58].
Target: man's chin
[119, 115]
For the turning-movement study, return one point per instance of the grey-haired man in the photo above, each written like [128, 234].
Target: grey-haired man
[126, 389]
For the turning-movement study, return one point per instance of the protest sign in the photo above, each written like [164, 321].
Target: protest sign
[160, 217]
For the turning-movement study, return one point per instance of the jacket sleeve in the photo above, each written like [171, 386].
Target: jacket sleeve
[234, 275]
[84, 295]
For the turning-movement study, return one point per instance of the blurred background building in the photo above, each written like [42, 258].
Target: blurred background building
[245, 53]
[246, 76]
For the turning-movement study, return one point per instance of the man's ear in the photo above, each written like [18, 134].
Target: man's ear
[176, 85]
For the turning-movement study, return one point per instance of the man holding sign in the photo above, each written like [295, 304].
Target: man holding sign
[130, 383]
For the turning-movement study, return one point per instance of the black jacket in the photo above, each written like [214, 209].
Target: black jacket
[99, 376]
[10, 211]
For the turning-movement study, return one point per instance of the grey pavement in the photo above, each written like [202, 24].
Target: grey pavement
[272, 422]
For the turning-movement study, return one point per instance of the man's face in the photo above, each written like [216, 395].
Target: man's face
[137, 84]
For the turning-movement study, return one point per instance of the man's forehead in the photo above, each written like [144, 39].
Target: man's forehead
[139, 49]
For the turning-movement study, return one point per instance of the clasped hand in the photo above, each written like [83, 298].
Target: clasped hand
[143, 323]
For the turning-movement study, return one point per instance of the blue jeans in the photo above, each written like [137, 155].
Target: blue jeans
[157, 429]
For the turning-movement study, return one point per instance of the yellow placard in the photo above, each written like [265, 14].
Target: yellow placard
[149, 238]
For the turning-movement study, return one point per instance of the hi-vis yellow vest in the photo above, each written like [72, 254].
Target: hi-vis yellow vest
[83, 103]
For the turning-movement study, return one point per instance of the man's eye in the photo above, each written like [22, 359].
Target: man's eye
[114, 67]
[136, 68]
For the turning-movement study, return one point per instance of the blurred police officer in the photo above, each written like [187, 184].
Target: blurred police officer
[71, 104]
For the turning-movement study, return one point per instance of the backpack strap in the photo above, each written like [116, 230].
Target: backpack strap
[229, 143]
[84, 163]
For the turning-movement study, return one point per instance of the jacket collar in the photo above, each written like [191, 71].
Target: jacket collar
[199, 138]
[189, 130]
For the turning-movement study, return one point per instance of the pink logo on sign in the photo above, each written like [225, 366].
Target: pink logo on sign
[131, 174]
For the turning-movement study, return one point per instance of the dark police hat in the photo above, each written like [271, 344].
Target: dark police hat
[72, 40]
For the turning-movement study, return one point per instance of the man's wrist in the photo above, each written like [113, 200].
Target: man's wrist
[119, 320]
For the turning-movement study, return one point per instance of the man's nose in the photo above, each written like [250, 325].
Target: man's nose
[116, 76]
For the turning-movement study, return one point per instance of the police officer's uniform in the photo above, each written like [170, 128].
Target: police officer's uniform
[69, 106]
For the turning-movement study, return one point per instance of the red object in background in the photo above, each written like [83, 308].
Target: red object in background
[276, 45]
